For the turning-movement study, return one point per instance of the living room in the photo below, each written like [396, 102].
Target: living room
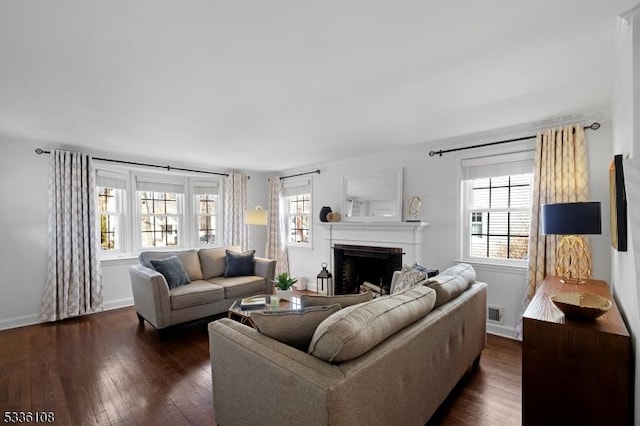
[390, 128]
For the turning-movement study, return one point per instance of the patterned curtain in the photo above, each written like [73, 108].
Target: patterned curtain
[236, 232]
[276, 247]
[74, 282]
[560, 176]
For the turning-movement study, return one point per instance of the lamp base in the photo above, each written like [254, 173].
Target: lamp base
[573, 262]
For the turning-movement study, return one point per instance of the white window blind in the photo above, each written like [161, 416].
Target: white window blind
[151, 184]
[111, 179]
[498, 165]
[205, 188]
[297, 187]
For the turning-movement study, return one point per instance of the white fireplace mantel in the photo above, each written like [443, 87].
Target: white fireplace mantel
[407, 235]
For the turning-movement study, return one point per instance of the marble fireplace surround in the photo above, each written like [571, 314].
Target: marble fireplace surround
[405, 235]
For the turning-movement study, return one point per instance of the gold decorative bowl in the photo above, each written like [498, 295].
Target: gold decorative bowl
[581, 305]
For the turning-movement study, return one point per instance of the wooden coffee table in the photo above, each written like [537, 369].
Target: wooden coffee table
[243, 316]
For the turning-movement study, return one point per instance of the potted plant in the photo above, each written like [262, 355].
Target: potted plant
[283, 283]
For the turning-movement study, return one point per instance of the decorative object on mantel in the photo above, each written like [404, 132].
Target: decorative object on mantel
[324, 276]
[573, 257]
[283, 283]
[581, 305]
[413, 208]
[324, 211]
[334, 217]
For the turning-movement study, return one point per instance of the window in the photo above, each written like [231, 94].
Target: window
[497, 207]
[297, 197]
[159, 218]
[160, 214]
[206, 208]
[139, 210]
[109, 218]
[110, 193]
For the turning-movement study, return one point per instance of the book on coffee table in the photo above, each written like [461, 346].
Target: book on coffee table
[255, 302]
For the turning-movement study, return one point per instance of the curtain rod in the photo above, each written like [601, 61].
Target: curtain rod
[593, 126]
[300, 174]
[169, 168]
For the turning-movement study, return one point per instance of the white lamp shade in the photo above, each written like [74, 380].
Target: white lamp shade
[256, 216]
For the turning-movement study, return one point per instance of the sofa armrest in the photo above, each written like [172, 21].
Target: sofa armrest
[257, 379]
[151, 295]
[266, 268]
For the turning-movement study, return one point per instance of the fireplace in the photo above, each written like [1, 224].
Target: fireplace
[356, 264]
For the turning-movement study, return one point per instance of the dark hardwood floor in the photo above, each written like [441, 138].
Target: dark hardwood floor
[107, 369]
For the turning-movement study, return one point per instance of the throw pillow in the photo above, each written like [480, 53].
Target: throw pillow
[172, 270]
[452, 282]
[352, 331]
[239, 264]
[408, 278]
[430, 272]
[344, 300]
[293, 328]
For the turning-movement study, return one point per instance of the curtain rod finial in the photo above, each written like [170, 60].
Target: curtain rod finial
[39, 151]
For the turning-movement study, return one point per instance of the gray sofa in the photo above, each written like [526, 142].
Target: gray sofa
[401, 380]
[209, 292]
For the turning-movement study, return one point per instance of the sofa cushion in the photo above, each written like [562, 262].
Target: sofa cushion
[408, 278]
[194, 294]
[294, 328]
[344, 300]
[213, 261]
[352, 331]
[189, 259]
[172, 270]
[452, 282]
[239, 264]
[236, 287]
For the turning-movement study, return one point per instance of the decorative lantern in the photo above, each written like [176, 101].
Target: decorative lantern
[324, 276]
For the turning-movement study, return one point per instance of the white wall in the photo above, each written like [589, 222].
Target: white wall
[435, 181]
[23, 223]
[625, 266]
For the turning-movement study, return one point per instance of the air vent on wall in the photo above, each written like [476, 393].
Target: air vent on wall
[495, 314]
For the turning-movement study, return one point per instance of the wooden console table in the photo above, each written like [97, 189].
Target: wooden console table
[574, 371]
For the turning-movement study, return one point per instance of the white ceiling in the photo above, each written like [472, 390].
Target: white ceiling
[271, 85]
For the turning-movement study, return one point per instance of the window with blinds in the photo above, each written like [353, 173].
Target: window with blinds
[297, 200]
[159, 211]
[497, 206]
[206, 209]
[139, 210]
[110, 187]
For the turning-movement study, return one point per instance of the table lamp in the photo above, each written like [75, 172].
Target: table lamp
[573, 263]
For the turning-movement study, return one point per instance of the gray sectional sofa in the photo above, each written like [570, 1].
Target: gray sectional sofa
[391, 360]
[209, 292]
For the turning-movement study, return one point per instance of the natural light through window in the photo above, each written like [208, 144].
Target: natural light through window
[496, 207]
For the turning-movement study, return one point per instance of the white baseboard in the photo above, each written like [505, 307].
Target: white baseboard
[20, 321]
[117, 304]
[24, 320]
[502, 331]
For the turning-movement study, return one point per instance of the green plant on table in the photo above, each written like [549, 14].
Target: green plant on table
[284, 281]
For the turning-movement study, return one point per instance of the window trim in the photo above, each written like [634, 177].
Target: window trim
[522, 155]
[131, 238]
[298, 182]
[466, 211]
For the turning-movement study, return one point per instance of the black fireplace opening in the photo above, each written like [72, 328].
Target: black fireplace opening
[356, 264]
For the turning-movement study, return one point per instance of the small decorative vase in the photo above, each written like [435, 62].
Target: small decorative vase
[284, 294]
[324, 211]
